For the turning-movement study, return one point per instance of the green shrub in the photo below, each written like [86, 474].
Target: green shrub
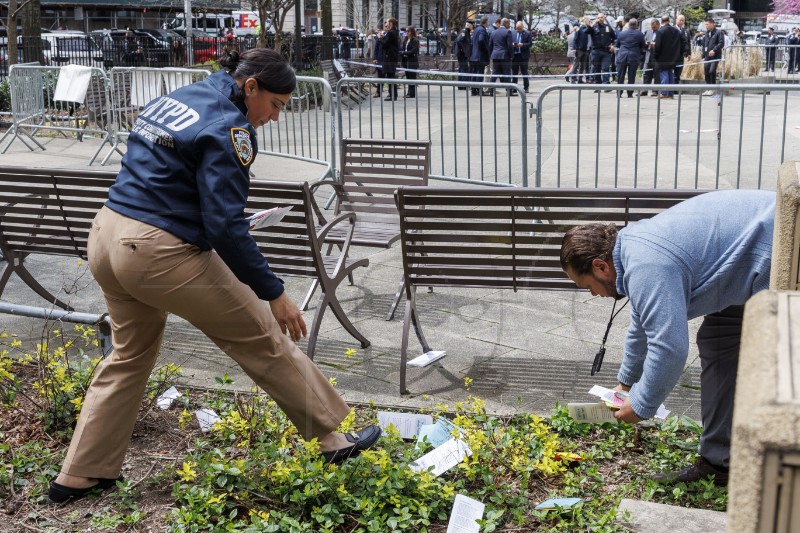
[547, 43]
[5, 96]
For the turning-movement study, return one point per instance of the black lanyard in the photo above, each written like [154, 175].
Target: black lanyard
[598, 358]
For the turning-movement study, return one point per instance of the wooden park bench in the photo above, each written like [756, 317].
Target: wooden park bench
[49, 211]
[46, 211]
[371, 170]
[349, 94]
[504, 238]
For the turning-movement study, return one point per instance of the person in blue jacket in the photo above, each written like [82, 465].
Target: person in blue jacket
[630, 49]
[173, 238]
[502, 46]
[704, 257]
[479, 55]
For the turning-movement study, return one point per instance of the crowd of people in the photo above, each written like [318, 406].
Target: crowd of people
[598, 51]
[660, 51]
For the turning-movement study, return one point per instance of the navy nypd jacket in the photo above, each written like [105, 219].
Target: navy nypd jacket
[186, 171]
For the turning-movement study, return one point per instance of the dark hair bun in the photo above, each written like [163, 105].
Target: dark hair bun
[230, 60]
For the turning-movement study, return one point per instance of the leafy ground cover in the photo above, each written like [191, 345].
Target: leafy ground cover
[251, 472]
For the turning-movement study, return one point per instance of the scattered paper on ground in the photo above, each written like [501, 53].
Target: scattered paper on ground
[438, 433]
[554, 503]
[407, 424]
[466, 513]
[207, 418]
[443, 458]
[165, 400]
[427, 358]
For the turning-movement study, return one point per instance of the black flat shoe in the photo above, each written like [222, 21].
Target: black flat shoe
[60, 493]
[362, 440]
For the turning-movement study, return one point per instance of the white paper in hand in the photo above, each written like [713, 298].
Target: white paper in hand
[607, 395]
[268, 217]
[466, 513]
[590, 413]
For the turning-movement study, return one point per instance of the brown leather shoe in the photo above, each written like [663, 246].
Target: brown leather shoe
[701, 469]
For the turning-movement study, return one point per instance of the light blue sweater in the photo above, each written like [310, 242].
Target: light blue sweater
[699, 257]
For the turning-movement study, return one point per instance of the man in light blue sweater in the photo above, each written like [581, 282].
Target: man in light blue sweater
[703, 257]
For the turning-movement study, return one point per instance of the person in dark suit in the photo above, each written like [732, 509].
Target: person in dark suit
[630, 49]
[649, 74]
[463, 51]
[582, 45]
[479, 55]
[713, 41]
[377, 58]
[686, 45]
[772, 45]
[793, 41]
[502, 47]
[410, 59]
[522, 41]
[667, 53]
[390, 44]
[603, 37]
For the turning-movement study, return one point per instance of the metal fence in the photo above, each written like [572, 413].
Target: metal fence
[108, 51]
[52, 99]
[307, 128]
[473, 139]
[744, 61]
[586, 138]
[133, 87]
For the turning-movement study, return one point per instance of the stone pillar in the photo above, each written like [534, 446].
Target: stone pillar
[786, 239]
[765, 448]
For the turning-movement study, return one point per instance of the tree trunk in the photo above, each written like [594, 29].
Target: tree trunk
[11, 29]
[32, 32]
[326, 19]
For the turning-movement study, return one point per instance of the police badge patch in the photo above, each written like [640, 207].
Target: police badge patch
[243, 145]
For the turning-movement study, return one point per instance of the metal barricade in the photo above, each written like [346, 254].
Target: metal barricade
[473, 139]
[132, 88]
[307, 129]
[41, 99]
[745, 61]
[594, 136]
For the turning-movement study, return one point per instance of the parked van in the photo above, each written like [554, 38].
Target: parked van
[71, 48]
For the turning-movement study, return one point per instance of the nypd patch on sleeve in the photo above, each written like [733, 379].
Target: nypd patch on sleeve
[243, 145]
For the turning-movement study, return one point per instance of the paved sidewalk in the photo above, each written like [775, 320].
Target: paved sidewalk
[523, 351]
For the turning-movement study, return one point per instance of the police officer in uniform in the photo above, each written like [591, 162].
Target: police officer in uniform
[173, 238]
[603, 37]
[463, 51]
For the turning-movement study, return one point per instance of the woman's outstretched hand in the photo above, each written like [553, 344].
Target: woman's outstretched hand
[289, 317]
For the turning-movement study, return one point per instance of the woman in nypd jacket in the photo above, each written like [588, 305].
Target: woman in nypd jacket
[173, 238]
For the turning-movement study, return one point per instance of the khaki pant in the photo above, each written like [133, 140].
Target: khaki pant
[145, 273]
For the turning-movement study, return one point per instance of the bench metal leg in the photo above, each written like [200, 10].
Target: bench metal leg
[409, 319]
[396, 301]
[5, 277]
[31, 282]
[344, 321]
[311, 290]
[312, 335]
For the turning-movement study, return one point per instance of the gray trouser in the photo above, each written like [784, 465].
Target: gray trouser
[718, 341]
